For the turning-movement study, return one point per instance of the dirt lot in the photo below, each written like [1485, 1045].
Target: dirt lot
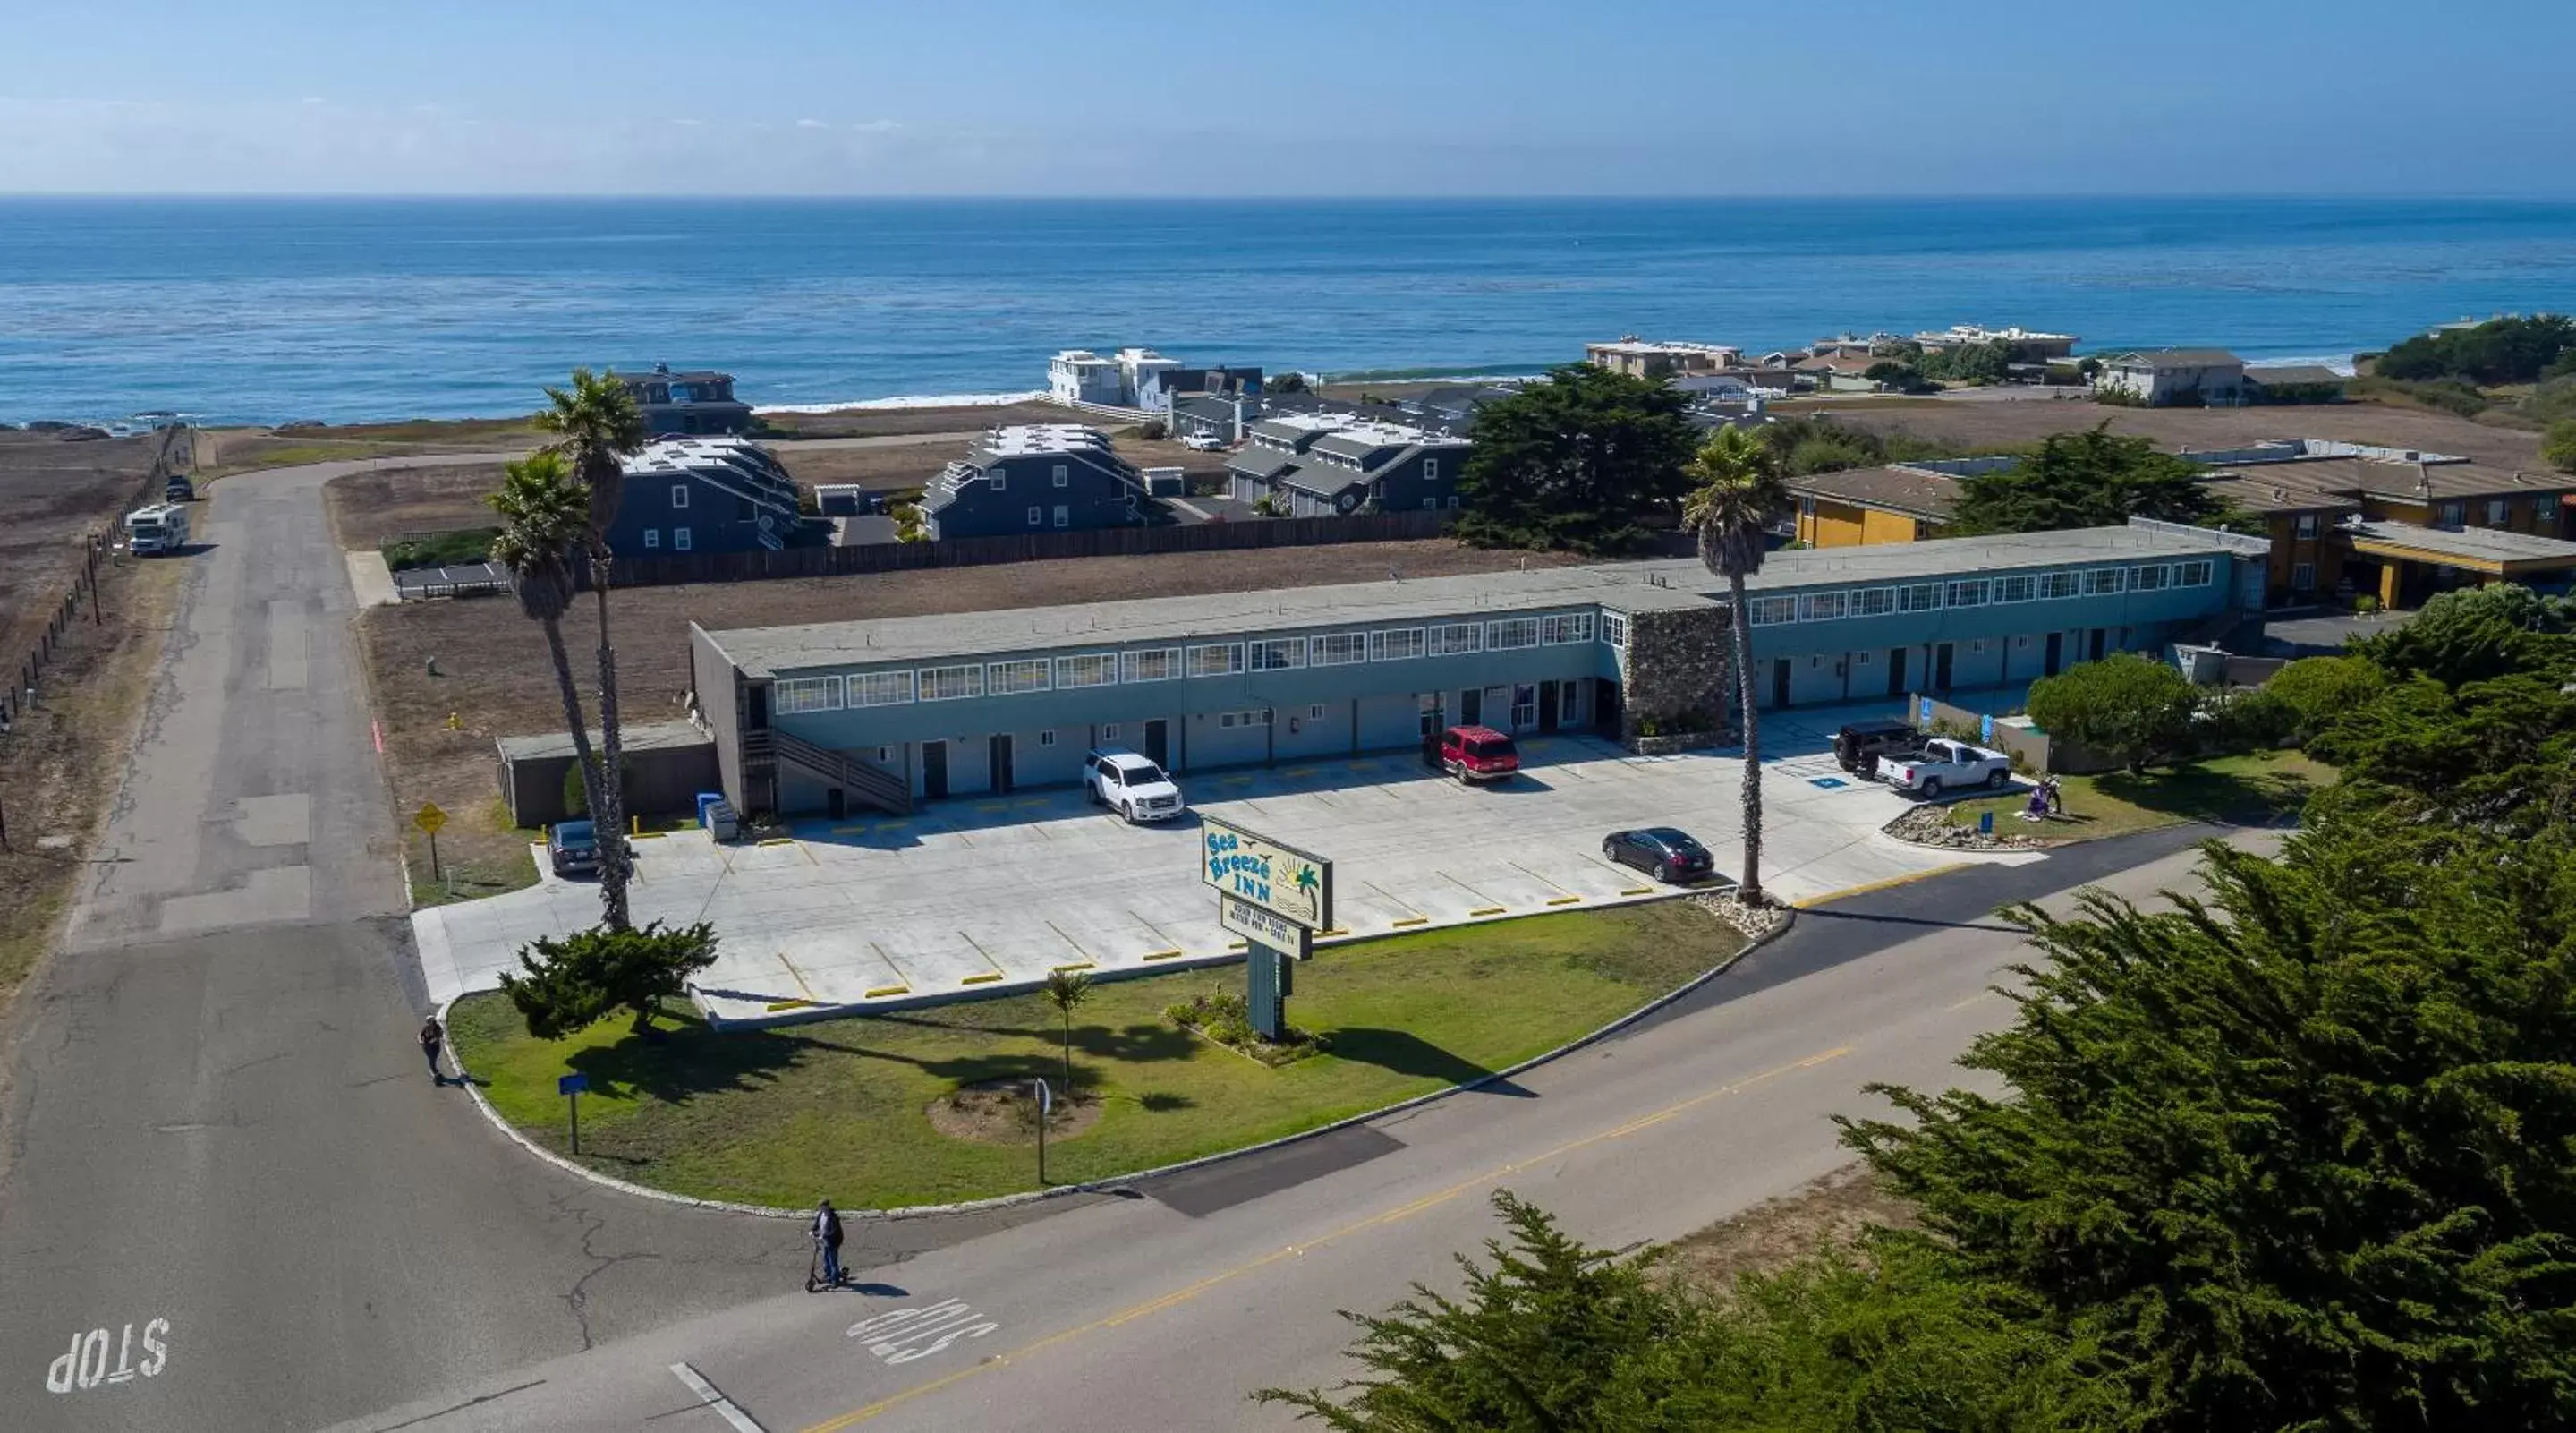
[1824, 1213]
[1974, 425]
[884, 422]
[911, 465]
[53, 492]
[60, 765]
[494, 675]
[368, 509]
[223, 451]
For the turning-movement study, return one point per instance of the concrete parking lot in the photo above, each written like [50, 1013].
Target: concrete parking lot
[974, 896]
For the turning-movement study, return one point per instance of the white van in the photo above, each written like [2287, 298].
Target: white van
[161, 528]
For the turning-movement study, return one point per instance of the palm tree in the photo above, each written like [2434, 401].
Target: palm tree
[596, 424]
[545, 526]
[1737, 492]
[1066, 989]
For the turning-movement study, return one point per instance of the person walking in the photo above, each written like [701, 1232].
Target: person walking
[827, 1239]
[431, 1038]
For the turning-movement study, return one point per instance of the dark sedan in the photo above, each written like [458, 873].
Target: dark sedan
[1668, 855]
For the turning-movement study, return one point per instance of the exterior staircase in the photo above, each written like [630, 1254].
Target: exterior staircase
[858, 781]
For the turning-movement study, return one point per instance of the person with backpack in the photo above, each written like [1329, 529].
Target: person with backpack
[827, 1241]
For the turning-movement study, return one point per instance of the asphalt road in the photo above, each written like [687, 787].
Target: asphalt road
[230, 1197]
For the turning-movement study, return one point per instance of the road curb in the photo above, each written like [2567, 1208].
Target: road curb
[1115, 1181]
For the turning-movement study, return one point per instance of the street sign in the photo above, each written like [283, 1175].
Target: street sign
[429, 818]
[1278, 878]
[1267, 927]
[572, 1084]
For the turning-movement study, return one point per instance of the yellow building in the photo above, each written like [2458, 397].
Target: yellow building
[1863, 506]
[2401, 527]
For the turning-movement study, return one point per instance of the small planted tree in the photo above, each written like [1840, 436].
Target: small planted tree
[1066, 990]
[2131, 709]
[570, 983]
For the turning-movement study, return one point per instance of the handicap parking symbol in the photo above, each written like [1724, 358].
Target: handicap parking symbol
[1827, 782]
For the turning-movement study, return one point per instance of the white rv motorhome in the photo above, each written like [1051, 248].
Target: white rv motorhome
[159, 529]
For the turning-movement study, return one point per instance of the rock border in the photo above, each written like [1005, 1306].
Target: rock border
[1928, 826]
[1786, 919]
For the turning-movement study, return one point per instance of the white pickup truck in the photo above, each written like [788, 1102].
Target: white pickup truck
[1945, 765]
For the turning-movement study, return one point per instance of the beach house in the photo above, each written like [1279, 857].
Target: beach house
[1334, 464]
[708, 494]
[693, 402]
[1034, 478]
[2166, 377]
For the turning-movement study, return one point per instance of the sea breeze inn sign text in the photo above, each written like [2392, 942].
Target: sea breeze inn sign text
[1280, 879]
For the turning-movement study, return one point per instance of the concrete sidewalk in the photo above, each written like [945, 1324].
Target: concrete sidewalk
[976, 896]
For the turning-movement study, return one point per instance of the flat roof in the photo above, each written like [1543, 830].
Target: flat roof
[2179, 357]
[1664, 584]
[2493, 549]
[643, 736]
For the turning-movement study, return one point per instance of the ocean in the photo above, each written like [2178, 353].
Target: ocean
[272, 310]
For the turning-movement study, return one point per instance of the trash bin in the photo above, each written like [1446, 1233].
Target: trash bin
[721, 822]
[1985, 823]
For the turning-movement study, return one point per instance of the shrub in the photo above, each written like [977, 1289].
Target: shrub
[2315, 690]
[1154, 431]
[2132, 709]
[2256, 720]
[2559, 447]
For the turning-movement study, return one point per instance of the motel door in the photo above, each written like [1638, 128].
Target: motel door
[1471, 706]
[1779, 681]
[1550, 694]
[1896, 671]
[934, 770]
[1001, 758]
[1941, 667]
[2056, 653]
[2098, 634]
[1158, 742]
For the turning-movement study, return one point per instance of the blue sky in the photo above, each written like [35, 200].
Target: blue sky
[1397, 97]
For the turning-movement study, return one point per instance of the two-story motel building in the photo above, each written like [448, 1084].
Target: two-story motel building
[831, 716]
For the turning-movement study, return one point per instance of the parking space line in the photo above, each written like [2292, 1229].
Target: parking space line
[1087, 961]
[810, 997]
[1411, 920]
[1563, 900]
[998, 970]
[902, 978]
[1471, 891]
[1556, 886]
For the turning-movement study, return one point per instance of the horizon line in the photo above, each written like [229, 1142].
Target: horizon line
[1550, 196]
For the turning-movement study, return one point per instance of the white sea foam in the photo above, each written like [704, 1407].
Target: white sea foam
[915, 400]
[2340, 362]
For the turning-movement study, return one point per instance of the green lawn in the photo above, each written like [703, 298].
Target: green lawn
[2248, 789]
[836, 1108]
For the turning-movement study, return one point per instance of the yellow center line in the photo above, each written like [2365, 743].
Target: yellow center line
[1379, 1220]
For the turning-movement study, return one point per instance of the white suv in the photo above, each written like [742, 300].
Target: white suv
[1130, 785]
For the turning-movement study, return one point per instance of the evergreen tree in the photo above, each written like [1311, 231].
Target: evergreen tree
[2090, 479]
[570, 983]
[1575, 462]
[2127, 708]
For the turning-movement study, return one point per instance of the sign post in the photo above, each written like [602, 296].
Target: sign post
[570, 1087]
[1046, 1110]
[429, 818]
[1276, 897]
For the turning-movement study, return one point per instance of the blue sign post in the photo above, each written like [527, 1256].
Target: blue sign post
[570, 1087]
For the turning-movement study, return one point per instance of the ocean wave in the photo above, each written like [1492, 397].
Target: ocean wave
[914, 400]
[2340, 362]
[1426, 375]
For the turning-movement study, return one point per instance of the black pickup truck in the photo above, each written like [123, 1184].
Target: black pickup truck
[1860, 746]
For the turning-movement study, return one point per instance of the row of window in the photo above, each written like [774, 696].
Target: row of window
[679, 538]
[999, 479]
[1979, 592]
[1063, 515]
[1162, 664]
[2499, 511]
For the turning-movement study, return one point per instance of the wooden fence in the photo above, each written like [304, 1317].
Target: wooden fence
[675, 569]
[81, 590]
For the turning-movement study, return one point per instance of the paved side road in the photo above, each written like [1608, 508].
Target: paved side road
[1166, 1309]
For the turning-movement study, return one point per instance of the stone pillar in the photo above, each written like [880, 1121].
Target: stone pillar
[1680, 674]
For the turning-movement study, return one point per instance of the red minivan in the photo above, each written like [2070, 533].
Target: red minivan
[1478, 753]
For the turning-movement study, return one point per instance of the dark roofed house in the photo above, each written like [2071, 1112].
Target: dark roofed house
[709, 494]
[1331, 464]
[697, 401]
[1034, 478]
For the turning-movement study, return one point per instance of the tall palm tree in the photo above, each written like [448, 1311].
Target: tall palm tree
[596, 424]
[545, 528]
[1737, 490]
